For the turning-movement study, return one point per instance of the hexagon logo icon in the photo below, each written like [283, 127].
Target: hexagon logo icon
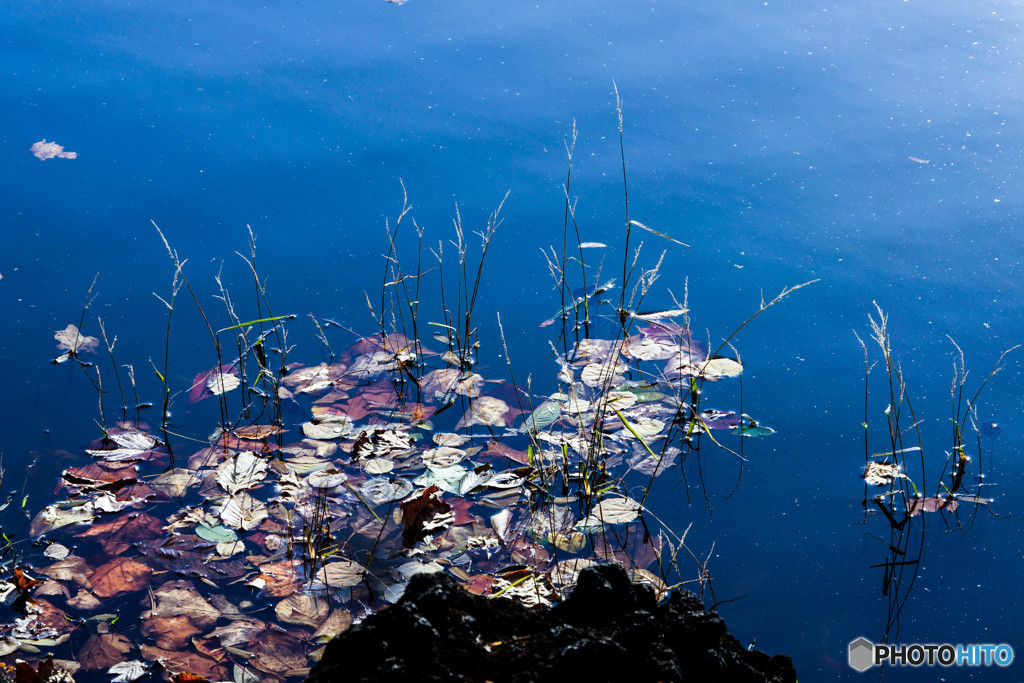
[861, 654]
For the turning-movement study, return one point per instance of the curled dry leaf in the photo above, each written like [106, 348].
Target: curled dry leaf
[881, 473]
[424, 514]
[44, 150]
[130, 446]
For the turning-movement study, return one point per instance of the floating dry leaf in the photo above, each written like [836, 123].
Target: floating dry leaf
[59, 515]
[485, 410]
[327, 478]
[102, 651]
[180, 598]
[326, 430]
[598, 374]
[124, 672]
[443, 456]
[222, 382]
[123, 531]
[615, 510]
[73, 342]
[243, 512]
[339, 621]
[176, 482]
[381, 490]
[340, 574]
[881, 473]
[243, 471]
[642, 347]
[449, 439]
[44, 150]
[257, 432]
[118, 576]
[376, 466]
[303, 608]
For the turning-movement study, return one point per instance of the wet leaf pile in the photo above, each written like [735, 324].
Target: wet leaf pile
[238, 559]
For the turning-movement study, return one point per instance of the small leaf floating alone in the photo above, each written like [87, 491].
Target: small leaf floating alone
[44, 150]
[881, 473]
[73, 342]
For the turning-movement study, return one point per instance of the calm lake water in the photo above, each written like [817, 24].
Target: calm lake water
[874, 147]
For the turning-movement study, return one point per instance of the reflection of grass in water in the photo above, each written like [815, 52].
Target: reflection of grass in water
[903, 503]
[510, 511]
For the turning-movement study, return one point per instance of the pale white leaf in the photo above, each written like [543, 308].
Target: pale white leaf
[222, 382]
[243, 471]
[124, 672]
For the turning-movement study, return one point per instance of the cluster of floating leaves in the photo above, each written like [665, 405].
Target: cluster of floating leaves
[246, 555]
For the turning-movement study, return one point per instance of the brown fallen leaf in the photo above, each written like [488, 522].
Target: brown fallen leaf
[186, 662]
[103, 650]
[339, 621]
[119, 575]
[303, 609]
[278, 579]
[278, 653]
[418, 516]
[123, 531]
[180, 598]
[170, 633]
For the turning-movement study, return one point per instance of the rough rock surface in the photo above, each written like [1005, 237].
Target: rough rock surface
[607, 630]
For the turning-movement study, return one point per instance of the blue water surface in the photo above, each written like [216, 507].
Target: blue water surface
[783, 141]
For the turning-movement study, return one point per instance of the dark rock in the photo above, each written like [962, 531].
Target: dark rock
[608, 629]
